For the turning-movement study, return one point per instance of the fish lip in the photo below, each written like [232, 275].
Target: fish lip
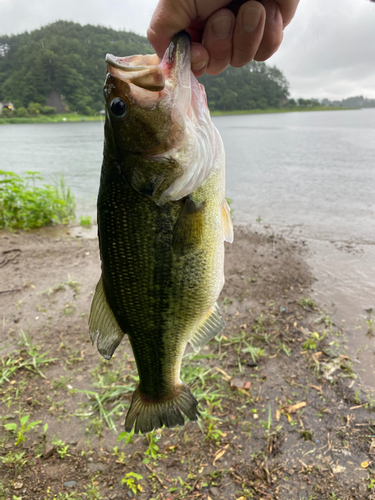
[178, 51]
[112, 61]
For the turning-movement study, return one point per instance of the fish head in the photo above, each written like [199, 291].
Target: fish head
[158, 111]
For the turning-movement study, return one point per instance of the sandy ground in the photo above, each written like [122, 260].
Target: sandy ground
[283, 416]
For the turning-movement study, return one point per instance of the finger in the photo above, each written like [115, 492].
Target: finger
[217, 39]
[288, 9]
[248, 33]
[168, 19]
[273, 31]
[172, 16]
[199, 58]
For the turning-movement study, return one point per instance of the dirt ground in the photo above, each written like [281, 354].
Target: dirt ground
[283, 416]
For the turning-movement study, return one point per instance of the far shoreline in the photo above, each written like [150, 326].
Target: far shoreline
[75, 117]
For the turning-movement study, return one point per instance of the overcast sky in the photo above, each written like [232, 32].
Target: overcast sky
[328, 49]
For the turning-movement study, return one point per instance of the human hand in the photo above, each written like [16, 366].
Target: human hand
[223, 32]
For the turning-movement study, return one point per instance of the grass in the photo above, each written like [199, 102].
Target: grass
[30, 358]
[65, 117]
[277, 110]
[24, 205]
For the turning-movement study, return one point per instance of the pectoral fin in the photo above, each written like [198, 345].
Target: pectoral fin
[152, 178]
[212, 324]
[227, 223]
[103, 325]
[188, 230]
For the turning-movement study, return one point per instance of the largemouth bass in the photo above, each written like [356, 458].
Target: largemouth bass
[162, 222]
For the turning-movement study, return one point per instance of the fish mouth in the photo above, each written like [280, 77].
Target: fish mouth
[146, 72]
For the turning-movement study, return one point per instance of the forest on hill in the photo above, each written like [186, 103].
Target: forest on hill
[67, 59]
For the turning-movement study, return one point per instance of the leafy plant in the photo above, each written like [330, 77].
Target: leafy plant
[22, 428]
[307, 303]
[85, 220]
[131, 479]
[15, 459]
[61, 448]
[24, 205]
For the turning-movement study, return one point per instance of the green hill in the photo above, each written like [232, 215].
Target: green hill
[63, 64]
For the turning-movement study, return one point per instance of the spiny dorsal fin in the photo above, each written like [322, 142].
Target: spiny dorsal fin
[103, 324]
[227, 223]
[212, 324]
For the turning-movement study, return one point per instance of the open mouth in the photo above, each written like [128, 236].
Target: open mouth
[147, 73]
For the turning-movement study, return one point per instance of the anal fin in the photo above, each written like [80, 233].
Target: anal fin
[212, 324]
[103, 325]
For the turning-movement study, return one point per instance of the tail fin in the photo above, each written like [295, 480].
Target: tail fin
[149, 416]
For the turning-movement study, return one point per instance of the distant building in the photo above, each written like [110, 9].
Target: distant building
[7, 105]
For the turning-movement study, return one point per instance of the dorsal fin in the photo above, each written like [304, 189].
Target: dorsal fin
[212, 324]
[103, 324]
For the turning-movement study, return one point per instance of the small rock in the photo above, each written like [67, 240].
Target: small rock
[130, 494]
[112, 497]
[247, 385]
[98, 467]
[17, 486]
[48, 450]
[70, 484]
[236, 383]
[81, 445]
[29, 401]
[214, 491]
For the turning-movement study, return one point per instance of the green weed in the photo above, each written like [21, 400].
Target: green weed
[36, 359]
[85, 221]
[21, 429]
[14, 459]
[23, 205]
[61, 448]
[307, 303]
[131, 480]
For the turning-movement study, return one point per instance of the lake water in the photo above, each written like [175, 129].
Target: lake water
[308, 175]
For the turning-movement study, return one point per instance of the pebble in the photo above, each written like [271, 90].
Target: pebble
[236, 383]
[214, 491]
[48, 450]
[17, 486]
[70, 484]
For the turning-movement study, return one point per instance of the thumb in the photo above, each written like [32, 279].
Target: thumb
[169, 18]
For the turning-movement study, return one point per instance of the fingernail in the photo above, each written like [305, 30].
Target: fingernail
[222, 27]
[250, 18]
[197, 65]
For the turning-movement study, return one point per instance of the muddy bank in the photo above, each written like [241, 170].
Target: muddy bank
[283, 416]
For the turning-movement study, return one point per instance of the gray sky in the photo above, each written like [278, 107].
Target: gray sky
[328, 49]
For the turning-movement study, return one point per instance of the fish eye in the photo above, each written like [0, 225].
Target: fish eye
[118, 107]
